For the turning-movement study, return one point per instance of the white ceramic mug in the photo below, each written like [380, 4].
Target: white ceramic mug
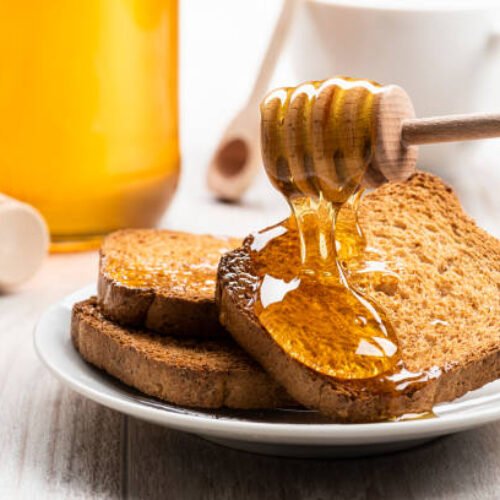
[445, 53]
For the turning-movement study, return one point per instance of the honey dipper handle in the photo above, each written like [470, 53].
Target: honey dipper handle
[450, 128]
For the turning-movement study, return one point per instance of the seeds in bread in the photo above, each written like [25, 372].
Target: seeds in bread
[445, 308]
[162, 280]
[212, 373]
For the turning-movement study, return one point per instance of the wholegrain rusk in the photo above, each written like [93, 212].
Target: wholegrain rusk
[445, 308]
[211, 373]
[162, 280]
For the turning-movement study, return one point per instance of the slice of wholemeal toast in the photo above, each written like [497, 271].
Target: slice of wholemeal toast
[445, 308]
[162, 280]
[211, 373]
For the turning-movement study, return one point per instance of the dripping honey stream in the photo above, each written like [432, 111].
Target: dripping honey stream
[318, 142]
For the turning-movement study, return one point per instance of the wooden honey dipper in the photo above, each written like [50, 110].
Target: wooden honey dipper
[398, 131]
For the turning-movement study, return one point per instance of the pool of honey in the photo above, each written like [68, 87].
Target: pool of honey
[316, 315]
[318, 142]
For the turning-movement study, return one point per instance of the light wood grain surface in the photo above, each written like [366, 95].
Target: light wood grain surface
[56, 444]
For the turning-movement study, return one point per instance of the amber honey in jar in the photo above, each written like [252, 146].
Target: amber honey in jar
[88, 99]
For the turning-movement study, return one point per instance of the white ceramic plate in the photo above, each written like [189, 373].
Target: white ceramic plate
[276, 432]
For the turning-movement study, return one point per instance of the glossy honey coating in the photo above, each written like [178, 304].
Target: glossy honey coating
[317, 141]
[198, 277]
[174, 264]
[275, 253]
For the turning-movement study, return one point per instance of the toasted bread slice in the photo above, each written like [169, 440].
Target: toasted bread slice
[212, 373]
[445, 309]
[162, 280]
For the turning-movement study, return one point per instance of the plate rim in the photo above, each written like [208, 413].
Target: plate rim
[269, 432]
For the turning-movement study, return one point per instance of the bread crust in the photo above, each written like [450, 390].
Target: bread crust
[463, 365]
[186, 372]
[163, 314]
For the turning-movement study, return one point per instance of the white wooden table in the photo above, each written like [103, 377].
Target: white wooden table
[57, 444]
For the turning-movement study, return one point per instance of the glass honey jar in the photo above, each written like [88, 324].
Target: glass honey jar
[89, 119]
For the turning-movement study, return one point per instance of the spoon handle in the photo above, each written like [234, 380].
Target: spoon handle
[273, 51]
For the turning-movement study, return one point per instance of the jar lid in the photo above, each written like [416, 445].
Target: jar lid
[24, 241]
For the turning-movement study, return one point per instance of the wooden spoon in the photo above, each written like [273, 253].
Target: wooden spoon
[237, 158]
